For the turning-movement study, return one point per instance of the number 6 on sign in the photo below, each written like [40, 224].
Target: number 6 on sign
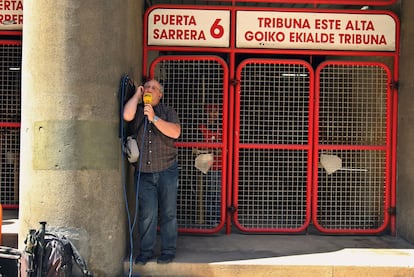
[216, 30]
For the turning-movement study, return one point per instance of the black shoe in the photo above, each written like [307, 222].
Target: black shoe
[165, 258]
[142, 260]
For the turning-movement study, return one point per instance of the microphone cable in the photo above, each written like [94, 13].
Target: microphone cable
[125, 82]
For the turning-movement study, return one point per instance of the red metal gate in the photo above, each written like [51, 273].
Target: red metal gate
[302, 139]
[11, 55]
[273, 149]
[196, 86]
[352, 147]
[282, 173]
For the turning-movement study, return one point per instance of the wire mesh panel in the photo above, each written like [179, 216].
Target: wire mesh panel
[353, 105]
[273, 150]
[9, 149]
[274, 104]
[10, 96]
[272, 192]
[352, 197]
[352, 185]
[195, 86]
[11, 56]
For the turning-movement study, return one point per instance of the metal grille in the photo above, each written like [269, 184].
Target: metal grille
[273, 149]
[352, 198]
[273, 154]
[274, 105]
[352, 106]
[195, 87]
[10, 97]
[11, 56]
[272, 189]
[9, 167]
[353, 120]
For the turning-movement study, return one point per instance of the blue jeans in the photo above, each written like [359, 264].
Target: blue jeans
[158, 190]
[212, 204]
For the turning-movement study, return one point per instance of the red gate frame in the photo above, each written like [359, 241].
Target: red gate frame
[316, 2]
[222, 145]
[14, 125]
[306, 147]
[387, 148]
[232, 51]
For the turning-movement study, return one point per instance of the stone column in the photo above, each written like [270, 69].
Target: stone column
[74, 54]
[405, 153]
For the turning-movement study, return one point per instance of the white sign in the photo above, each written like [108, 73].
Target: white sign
[11, 14]
[320, 31]
[184, 27]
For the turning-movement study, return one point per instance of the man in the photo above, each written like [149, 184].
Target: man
[156, 127]
[211, 133]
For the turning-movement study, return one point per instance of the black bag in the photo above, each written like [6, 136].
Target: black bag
[51, 255]
[57, 258]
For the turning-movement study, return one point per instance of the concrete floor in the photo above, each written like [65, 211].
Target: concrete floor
[236, 247]
[239, 254]
[286, 255]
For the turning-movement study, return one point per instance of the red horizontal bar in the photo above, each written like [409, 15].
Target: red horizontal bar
[10, 206]
[11, 33]
[10, 124]
[315, 2]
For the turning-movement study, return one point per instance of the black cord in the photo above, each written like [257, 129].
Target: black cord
[125, 81]
[122, 95]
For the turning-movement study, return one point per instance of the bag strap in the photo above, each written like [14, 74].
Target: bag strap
[80, 261]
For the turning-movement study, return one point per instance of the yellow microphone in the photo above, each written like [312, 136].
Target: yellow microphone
[147, 98]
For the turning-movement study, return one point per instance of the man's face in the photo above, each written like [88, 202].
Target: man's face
[154, 88]
[213, 113]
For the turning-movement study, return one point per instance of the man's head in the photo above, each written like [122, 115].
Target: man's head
[155, 89]
[213, 112]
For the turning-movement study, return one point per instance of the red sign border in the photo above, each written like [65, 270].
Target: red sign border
[317, 2]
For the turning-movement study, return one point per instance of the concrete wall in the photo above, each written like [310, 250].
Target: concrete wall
[74, 54]
[405, 152]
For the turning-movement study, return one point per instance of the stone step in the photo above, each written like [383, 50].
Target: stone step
[240, 269]
[285, 255]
